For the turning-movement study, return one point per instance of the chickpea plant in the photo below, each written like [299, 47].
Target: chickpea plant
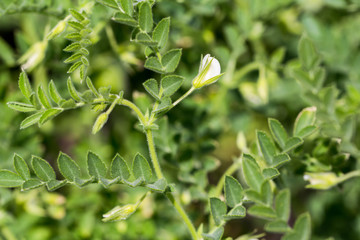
[259, 196]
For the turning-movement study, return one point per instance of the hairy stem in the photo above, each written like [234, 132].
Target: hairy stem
[153, 155]
[170, 196]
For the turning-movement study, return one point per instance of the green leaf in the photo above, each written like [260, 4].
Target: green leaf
[68, 167]
[305, 118]
[282, 205]
[319, 77]
[24, 85]
[73, 58]
[164, 105]
[145, 17]
[303, 77]
[218, 210]
[152, 87]
[32, 119]
[302, 229]
[83, 182]
[278, 132]
[75, 66]
[153, 64]
[43, 169]
[261, 211]
[72, 90]
[277, 226]
[109, 3]
[267, 147]
[161, 32]
[158, 186]
[35, 101]
[236, 213]
[54, 94]
[141, 168]
[78, 16]
[72, 47]
[171, 60]
[75, 36]
[280, 159]
[43, 98]
[83, 70]
[309, 58]
[10, 179]
[48, 115]
[270, 173]
[92, 87]
[76, 25]
[85, 61]
[134, 183]
[306, 131]
[170, 84]
[21, 107]
[266, 193]
[148, 51]
[31, 184]
[21, 167]
[254, 196]
[233, 191]
[124, 19]
[216, 234]
[67, 104]
[292, 143]
[145, 39]
[52, 185]
[96, 167]
[127, 6]
[119, 168]
[252, 174]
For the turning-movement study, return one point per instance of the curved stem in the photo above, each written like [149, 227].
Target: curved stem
[135, 109]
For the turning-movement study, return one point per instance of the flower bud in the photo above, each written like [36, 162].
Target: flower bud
[120, 213]
[100, 122]
[57, 30]
[322, 180]
[209, 72]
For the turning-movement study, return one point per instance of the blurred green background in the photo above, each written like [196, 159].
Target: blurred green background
[256, 44]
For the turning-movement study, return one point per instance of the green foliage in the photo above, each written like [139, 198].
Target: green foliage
[213, 157]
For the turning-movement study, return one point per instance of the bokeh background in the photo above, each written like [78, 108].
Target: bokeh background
[256, 43]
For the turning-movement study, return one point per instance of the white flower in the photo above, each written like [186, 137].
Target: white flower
[209, 72]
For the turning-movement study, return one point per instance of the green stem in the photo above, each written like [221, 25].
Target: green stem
[349, 175]
[183, 214]
[169, 195]
[153, 155]
[135, 109]
[183, 96]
